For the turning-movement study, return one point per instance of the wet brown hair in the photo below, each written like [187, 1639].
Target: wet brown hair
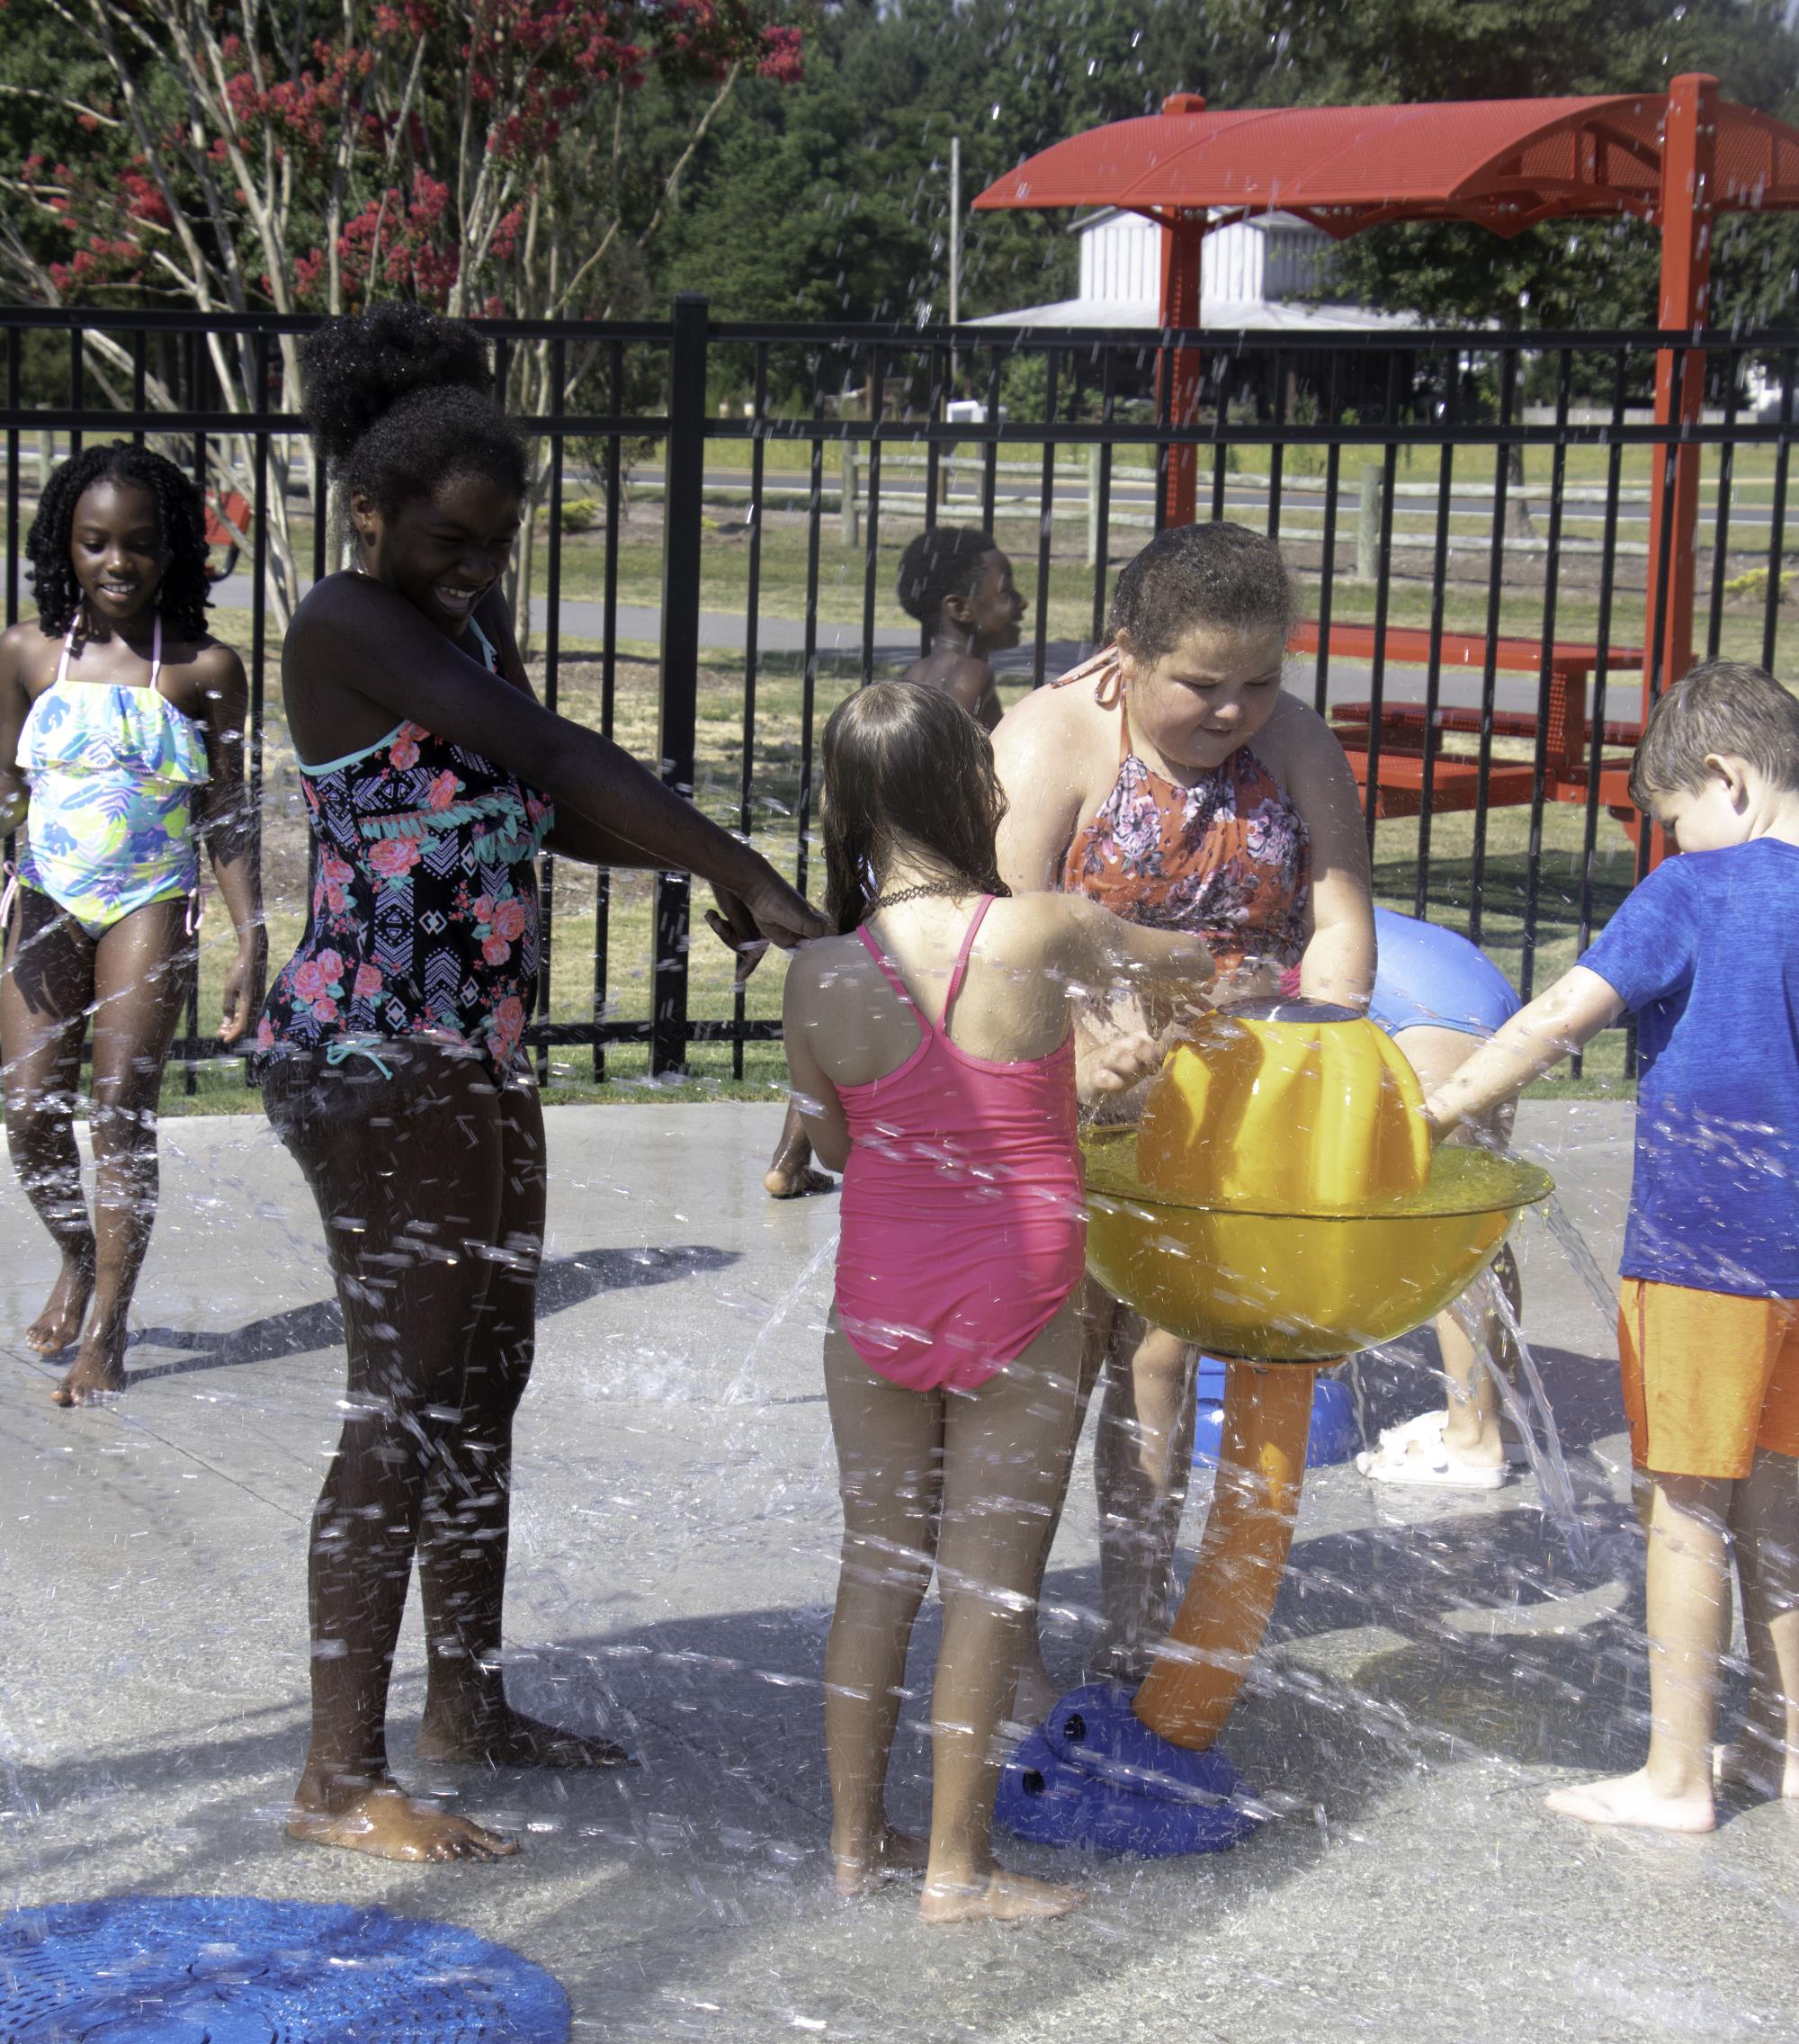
[903, 761]
[1215, 574]
[1725, 707]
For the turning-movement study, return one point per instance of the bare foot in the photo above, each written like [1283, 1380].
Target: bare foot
[1633, 1800]
[391, 1825]
[1758, 1764]
[98, 1373]
[508, 1738]
[996, 1897]
[859, 1870]
[60, 1323]
[780, 1183]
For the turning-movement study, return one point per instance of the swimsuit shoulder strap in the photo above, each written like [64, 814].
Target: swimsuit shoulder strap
[1123, 728]
[961, 967]
[156, 651]
[62, 658]
[488, 653]
[893, 979]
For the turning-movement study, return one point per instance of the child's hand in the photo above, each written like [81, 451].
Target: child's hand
[245, 986]
[749, 925]
[1117, 1065]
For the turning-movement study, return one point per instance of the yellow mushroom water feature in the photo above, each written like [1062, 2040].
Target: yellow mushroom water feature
[1280, 1204]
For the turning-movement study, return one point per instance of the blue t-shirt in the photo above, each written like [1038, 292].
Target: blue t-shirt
[1706, 954]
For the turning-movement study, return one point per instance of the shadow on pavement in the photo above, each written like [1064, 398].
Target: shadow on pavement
[565, 1281]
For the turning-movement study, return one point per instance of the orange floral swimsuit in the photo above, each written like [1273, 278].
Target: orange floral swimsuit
[1227, 858]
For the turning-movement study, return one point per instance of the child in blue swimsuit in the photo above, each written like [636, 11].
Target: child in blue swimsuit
[121, 728]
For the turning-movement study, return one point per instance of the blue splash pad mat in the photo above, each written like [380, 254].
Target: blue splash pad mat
[204, 1969]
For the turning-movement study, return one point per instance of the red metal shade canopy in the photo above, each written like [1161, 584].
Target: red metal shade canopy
[1506, 163]
[1675, 159]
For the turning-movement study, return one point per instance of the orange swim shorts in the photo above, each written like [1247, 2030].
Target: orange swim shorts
[1708, 1377]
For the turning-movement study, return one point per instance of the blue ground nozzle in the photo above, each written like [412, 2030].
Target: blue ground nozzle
[1336, 1433]
[230, 1969]
[1093, 1775]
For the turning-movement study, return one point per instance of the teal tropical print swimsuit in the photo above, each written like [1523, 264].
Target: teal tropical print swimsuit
[112, 769]
[424, 913]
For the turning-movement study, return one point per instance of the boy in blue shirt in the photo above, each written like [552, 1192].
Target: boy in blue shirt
[1706, 954]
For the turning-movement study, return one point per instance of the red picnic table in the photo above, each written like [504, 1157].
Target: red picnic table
[1454, 777]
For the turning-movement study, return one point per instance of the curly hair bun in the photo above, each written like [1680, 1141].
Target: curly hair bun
[357, 369]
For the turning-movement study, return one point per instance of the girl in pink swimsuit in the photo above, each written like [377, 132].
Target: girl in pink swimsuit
[933, 1062]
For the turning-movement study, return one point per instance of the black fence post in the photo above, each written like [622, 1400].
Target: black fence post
[681, 538]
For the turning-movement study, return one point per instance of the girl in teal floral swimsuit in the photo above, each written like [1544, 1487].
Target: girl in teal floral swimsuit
[423, 918]
[391, 1056]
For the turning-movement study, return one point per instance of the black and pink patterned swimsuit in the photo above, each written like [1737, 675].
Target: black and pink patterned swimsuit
[424, 915]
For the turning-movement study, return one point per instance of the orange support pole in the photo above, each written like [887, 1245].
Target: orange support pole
[1685, 215]
[1218, 1632]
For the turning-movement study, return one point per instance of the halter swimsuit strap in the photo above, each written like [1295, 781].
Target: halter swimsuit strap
[156, 653]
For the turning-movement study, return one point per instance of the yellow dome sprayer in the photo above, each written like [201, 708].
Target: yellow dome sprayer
[1280, 1204]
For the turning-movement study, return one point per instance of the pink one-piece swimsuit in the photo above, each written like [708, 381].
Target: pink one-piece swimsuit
[963, 1227]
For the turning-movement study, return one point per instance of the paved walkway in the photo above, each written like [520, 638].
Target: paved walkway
[1438, 1661]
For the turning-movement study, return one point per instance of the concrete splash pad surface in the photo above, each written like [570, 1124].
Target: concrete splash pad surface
[1436, 1662]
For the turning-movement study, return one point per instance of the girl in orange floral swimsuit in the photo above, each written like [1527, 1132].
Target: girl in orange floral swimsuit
[1170, 778]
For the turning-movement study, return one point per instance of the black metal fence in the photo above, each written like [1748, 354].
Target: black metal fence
[1449, 499]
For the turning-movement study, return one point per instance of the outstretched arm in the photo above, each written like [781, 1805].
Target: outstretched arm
[1338, 962]
[1148, 980]
[227, 826]
[375, 643]
[1166, 969]
[576, 835]
[1535, 1041]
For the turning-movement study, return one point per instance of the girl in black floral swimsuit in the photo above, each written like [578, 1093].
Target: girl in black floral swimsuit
[390, 1057]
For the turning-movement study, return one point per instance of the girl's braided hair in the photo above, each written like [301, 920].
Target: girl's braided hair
[182, 595]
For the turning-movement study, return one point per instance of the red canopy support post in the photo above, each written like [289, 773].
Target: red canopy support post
[1182, 247]
[1684, 214]
[1183, 240]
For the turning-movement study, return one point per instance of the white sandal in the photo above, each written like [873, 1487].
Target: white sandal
[1415, 1454]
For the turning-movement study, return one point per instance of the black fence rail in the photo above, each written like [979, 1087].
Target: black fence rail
[1468, 508]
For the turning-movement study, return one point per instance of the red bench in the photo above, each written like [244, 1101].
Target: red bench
[1455, 777]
